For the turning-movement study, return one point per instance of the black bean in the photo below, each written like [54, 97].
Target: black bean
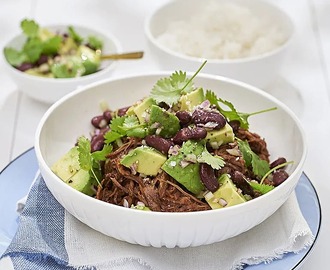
[107, 115]
[189, 133]
[208, 178]
[158, 143]
[42, 59]
[235, 124]
[279, 177]
[97, 142]
[99, 121]
[238, 179]
[184, 117]
[277, 162]
[203, 117]
[122, 111]
[25, 66]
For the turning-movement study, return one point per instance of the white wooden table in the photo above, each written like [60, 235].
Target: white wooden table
[303, 84]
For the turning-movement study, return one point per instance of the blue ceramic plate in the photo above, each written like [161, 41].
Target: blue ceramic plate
[16, 178]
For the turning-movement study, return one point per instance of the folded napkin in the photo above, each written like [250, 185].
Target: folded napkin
[48, 237]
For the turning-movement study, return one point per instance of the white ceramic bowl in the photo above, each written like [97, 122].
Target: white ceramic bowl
[49, 90]
[259, 70]
[67, 119]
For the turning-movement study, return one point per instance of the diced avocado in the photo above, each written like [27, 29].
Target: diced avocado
[91, 59]
[45, 34]
[36, 72]
[218, 137]
[68, 46]
[140, 207]
[67, 165]
[69, 67]
[187, 174]
[81, 181]
[163, 123]
[226, 195]
[192, 99]
[144, 159]
[68, 169]
[142, 109]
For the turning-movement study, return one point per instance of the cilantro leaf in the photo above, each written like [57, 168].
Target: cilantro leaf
[84, 149]
[216, 162]
[164, 91]
[116, 124]
[33, 49]
[262, 188]
[102, 154]
[74, 35]
[95, 43]
[169, 90]
[91, 161]
[52, 45]
[14, 57]
[125, 126]
[111, 136]
[259, 166]
[231, 113]
[30, 28]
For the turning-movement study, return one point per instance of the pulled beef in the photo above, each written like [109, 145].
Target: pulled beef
[257, 144]
[159, 193]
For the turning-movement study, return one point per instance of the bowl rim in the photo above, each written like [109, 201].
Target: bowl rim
[252, 204]
[153, 40]
[110, 37]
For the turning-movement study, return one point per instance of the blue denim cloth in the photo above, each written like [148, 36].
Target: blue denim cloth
[39, 240]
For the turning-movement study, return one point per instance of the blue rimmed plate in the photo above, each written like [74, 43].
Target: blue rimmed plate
[16, 178]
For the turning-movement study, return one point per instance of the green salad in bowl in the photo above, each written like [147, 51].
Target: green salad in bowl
[180, 149]
[55, 54]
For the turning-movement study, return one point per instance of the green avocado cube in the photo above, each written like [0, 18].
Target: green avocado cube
[145, 160]
[218, 137]
[82, 182]
[227, 194]
[67, 168]
[189, 101]
[183, 171]
[67, 165]
[90, 59]
[163, 122]
[142, 109]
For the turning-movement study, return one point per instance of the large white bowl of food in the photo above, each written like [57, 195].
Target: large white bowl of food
[170, 159]
[243, 40]
[47, 62]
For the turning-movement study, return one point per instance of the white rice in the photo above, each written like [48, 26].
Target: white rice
[223, 31]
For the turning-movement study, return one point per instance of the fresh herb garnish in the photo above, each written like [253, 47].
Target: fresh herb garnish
[91, 161]
[74, 35]
[216, 162]
[262, 188]
[259, 166]
[170, 89]
[125, 126]
[274, 169]
[30, 28]
[231, 113]
[95, 43]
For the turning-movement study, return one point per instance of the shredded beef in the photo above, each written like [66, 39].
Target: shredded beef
[121, 186]
[257, 144]
[159, 193]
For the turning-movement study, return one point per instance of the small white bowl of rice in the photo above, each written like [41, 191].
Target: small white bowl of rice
[243, 40]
